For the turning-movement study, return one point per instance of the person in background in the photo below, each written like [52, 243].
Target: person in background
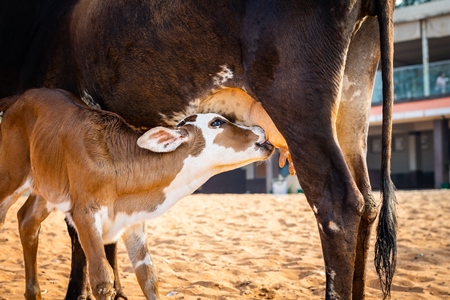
[441, 82]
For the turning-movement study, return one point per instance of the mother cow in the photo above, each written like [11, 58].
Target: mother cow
[310, 63]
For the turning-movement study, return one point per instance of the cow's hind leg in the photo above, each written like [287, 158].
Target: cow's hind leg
[338, 206]
[111, 255]
[30, 217]
[352, 128]
[307, 121]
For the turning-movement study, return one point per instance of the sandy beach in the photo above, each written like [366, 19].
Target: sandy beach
[245, 247]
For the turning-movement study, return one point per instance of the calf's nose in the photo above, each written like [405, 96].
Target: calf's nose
[260, 133]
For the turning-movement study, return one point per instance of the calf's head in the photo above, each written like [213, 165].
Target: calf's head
[218, 144]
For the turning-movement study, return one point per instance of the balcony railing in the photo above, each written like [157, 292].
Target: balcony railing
[409, 82]
[403, 3]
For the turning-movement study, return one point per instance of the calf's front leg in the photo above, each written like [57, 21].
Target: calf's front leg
[136, 244]
[79, 288]
[101, 275]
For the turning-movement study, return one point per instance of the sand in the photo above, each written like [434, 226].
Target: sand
[245, 247]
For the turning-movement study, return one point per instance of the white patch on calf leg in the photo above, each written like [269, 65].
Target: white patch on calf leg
[136, 244]
[98, 223]
[146, 261]
[11, 199]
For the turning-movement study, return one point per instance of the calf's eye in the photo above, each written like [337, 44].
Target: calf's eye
[217, 122]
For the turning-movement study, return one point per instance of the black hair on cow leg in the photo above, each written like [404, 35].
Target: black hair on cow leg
[111, 255]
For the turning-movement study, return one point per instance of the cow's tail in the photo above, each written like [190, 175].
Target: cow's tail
[386, 243]
[5, 103]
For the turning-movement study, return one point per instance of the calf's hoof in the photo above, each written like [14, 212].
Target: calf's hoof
[33, 293]
[105, 291]
[120, 295]
[86, 297]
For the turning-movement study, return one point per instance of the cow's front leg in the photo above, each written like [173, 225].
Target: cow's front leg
[101, 275]
[30, 217]
[338, 224]
[136, 244]
[338, 206]
[111, 255]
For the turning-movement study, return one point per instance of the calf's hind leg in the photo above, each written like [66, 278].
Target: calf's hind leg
[8, 197]
[30, 217]
[14, 168]
[12, 185]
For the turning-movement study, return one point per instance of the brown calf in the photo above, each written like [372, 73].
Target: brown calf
[107, 177]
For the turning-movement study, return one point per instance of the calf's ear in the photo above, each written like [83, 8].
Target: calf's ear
[161, 139]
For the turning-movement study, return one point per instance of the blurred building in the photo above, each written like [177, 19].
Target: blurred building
[420, 152]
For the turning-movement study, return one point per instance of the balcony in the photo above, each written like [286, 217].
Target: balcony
[409, 83]
[403, 3]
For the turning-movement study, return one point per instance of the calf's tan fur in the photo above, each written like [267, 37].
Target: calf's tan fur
[107, 177]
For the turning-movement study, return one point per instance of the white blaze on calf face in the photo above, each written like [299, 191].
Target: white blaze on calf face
[227, 146]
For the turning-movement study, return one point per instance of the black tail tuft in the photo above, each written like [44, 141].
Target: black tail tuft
[386, 244]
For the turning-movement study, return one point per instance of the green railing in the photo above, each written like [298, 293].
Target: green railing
[409, 82]
[403, 3]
